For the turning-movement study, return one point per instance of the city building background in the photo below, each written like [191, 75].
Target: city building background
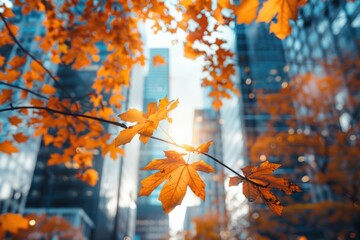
[206, 127]
[151, 220]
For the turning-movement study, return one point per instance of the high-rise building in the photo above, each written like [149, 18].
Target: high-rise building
[206, 127]
[16, 171]
[262, 69]
[151, 220]
[323, 52]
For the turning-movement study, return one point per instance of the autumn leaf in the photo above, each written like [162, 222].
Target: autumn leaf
[284, 11]
[15, 120]
[20, 137]
[203, 148]
[12, 222]
[8, 147]
[2, 60]
[56, 158]
[5, 95]
[147, 122]
[17, 61]
[10, 75]
[90, 176]
[48, 89]
[113, 151]
[246, 11]
[158, 60]
[178, 176]
[261, 181]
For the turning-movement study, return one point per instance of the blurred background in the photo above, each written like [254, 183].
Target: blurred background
[299, 106]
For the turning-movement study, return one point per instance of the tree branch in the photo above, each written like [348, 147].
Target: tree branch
[12, 108]
[32, 56]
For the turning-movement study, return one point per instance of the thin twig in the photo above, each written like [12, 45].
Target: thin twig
[64, 113]
[25, 89]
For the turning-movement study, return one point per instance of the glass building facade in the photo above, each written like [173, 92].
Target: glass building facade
[262, 70]
[206, 127]
[16, 171]
[151, 220]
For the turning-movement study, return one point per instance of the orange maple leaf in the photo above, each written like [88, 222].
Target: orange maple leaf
[261, 181]
[147, 122]
[158, 60]
[15, 120]
[12, 222]
[113, 151]
[5, 95]
[8, 148]
[48, 89]
[90, 176]
[20, 137]
[10, 75]
[178, 176]
[2, 60]
[203, 148]
[246, 11]
[284, 10]
[17, 61]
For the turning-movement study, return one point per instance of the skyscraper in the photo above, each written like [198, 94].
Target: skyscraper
[323, 52]
[16, 171]
[151, 220]
[262, 69]
[206, 127]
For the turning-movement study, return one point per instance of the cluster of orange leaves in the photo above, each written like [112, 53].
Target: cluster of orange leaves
[37, 225]
[12, 223]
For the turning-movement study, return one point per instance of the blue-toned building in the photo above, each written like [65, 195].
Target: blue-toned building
[325, 42]
[206, 127]
[16, 170]
[151, 220]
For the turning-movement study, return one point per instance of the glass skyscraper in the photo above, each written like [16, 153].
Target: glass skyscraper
[16, 171]
[262, 70]
[151, 220]
[206, 127]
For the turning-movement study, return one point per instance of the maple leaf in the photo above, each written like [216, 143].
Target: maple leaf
[5, 95]
[113, 151]
[158, 60]
[8, 148]
[10, 75]
[20, 137]
[284, 10]
[178, 176]
[56, 158]
[147, 122]
[48, 89]
[261, 181]
[246, 11]
[2, 60]
[12, 222]
[203, 148]
[17, 61]
[90, 176]
[15, 120]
